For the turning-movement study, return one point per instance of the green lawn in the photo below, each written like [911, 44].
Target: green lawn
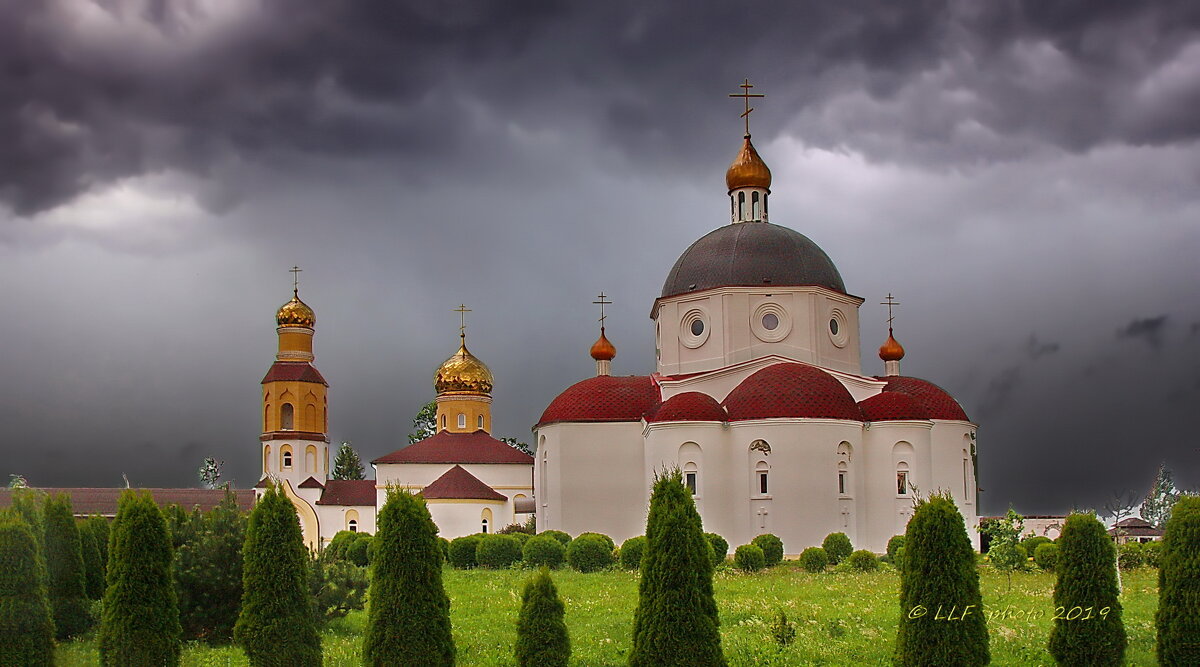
[841, 619]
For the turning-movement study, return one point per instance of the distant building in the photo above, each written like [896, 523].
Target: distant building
[103, 501]
[1134, 529]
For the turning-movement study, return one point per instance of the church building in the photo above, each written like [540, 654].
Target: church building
[471, 481]
[759, 399]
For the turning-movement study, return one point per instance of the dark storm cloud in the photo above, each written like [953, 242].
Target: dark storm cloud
[1037, 349]
[999, 392]
[91, 93]
[1149, 330]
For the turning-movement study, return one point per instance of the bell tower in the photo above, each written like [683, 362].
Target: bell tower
[464, 388]
[295, 406]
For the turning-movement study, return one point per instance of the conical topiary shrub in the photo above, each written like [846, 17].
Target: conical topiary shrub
[939, 581]
[408, 622]
[275, 625]
[26, 627]
[542, 639]
[1178, 619]
[140, 623]
[676, 619]
[1087, 586]
[93, 567]
[65, 579]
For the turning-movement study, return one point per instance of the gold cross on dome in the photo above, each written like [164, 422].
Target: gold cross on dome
[889, 302]
[602, 303]
[295, 271]
[462, 311]
[746, 95]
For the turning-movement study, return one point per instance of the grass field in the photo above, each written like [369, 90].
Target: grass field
[841, 619]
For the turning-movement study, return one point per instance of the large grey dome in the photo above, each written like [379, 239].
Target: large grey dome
[752, 254]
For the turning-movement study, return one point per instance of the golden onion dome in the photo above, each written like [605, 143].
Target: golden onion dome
[463, 374]
[748, 170]
[891, 350]
[602, 350]
[296, 313]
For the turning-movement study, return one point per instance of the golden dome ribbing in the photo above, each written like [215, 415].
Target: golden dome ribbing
[748, 170]
[462, 373]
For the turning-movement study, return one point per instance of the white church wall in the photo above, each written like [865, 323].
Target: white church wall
[888, 447]
[456, 518]
[334, 519]
[598, 461]
[949, 441]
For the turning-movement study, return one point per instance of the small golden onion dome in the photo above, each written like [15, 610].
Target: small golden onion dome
[891, 350]
[296, 313]
[463, 374]
[748, 170]
[602, 350]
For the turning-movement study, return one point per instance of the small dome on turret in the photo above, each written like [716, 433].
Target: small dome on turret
[295, 313]
[602, 349]
[463, 373]
[748, 169]
[891, 350]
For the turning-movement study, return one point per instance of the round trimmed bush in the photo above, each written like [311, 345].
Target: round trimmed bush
[814, 559]
[462, 551]
[563, 538]
[1046, 555]
[863, 561]
[612, 546]
[358, 551]
[589, 553]
[543, 551]
[497, 552]
[837, 546]
[521, 538]
[1150, 553]
[720, 548]
[631, 552]
[1129, 555]
[896, 542]
[772, 548]
[1032, 543]
[749, 558]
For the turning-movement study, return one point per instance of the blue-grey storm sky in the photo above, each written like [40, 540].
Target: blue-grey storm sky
[1022, 175]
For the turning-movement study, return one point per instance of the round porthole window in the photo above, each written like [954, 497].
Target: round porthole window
[770, 323]
[839, 329]
[693, 328]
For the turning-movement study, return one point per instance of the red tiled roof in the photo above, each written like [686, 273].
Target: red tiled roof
[890, 405]
[457, 483]
[311, 483]
[1133, 522]
[263, 483]
[604, 399]
[447, 447]
[103, 501]
[938, 403]
[791, 390]
[688, 406]
[294, 371]
[354, 492]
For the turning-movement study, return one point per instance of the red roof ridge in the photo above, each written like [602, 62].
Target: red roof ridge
[349, 492]
[447, 447]
[459, 484]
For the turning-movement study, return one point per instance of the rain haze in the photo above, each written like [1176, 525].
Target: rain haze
[1023, 176]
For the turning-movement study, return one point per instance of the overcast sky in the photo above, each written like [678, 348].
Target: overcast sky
[1023, 176]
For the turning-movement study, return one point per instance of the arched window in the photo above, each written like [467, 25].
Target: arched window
[761, 471]
[462, 420]
[690, 458]
[902, 453]
[352, 520]
[966, 477]
[485, 520]
[479, 421]
[902, 484]
[310, 459]
[287, 417]
[285, 457]
[843, 473]
[310, 418]
[267, 459]
[754, 210]
[266, 417]
[764, 206]
[845, 452]
[741, 206]
[691, 477]
[443, 422]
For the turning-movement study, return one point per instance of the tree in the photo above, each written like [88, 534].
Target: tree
[208, 573]
[1176, 620]
[408, 619]
[513, 442]
[1087, 585]
[1156, 507]
[424, 422]
[98, 526]
[210, 472]
[837, 546]
[347, 465]
[140, 622]
[17, 482]
[676, 620]
[275, 626]
[65, 581]
[93, 567]
[26, 626]
[939, 579]
[1120, 507]
[542, 639]
[1004, 549]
